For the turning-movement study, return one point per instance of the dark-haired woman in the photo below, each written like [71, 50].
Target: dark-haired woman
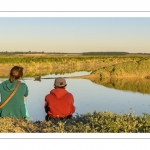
[15, 107]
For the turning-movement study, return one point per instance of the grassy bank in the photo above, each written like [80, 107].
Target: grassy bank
[47, 64]
[97, 122]
[132, 69]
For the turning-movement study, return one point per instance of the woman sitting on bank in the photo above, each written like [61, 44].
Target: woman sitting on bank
[15, 107]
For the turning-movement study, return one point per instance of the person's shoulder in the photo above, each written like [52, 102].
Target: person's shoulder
[7, 80]
[46, 96]
[3, 82]
[50, 93]
[69, 93]
[22, 83]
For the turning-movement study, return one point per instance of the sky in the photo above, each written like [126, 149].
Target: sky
[75, 34]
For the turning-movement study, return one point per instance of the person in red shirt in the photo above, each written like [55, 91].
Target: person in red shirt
[59, 103]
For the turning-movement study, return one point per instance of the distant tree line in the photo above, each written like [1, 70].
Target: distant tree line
[84, 53]
[18, 52]
[139, 53]
[105, 53]
[30, 52]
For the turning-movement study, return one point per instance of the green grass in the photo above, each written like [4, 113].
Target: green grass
[97, 122]
[137, 68]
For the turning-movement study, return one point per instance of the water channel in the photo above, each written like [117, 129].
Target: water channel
[88, 96]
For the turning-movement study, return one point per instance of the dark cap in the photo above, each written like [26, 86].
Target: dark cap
[60, 82]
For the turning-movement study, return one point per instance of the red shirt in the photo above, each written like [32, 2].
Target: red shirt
[59, 103]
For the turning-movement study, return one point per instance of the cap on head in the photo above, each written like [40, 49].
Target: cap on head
[60, 82]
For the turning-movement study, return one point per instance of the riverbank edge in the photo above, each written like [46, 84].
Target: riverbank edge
[96, 122]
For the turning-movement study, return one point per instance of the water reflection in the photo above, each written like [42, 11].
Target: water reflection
[132, 84]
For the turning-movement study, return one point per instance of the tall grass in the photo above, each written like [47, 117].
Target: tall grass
[140, 69]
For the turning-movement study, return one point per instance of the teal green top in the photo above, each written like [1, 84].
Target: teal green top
[15, 108]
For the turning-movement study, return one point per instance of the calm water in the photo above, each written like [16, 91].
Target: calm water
[88, 97]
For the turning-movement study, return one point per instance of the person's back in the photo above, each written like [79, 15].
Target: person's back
[15, 108]
[59, 103]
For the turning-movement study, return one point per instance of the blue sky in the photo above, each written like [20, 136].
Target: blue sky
[75, 34]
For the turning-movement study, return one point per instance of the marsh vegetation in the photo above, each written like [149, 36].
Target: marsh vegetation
[119, 72]
[59, 64]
